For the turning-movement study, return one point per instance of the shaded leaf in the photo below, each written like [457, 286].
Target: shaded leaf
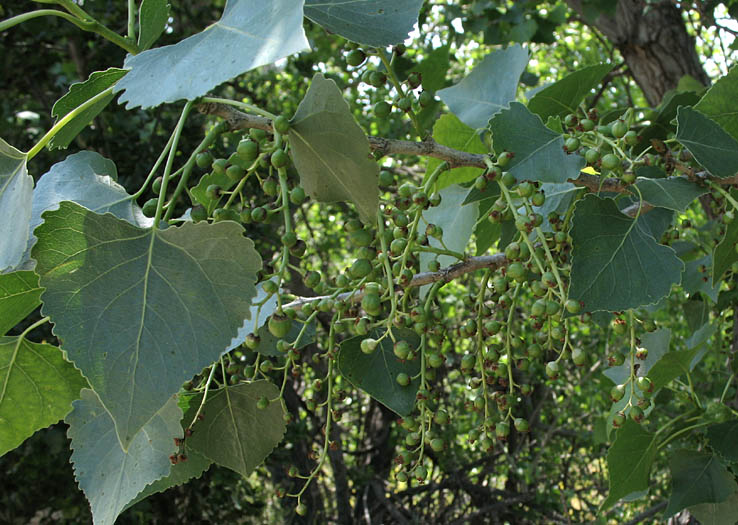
[722, 439]
[16, 193]
[694, 280]
[670, 366]
[377, 23]
[37, 387]
[152, 20]
[486, 232]
[251, 33]
[78, 94]
[375, 373]
[108, 476]
[20, 294]
[719, 102]
[563, 97]
[433, 69]
[723, 513]
[629, 462]
[450, 131]
[490, 87]
[142, 311]
[607, 247]
[539, 152]
[235, 433]
[674, 193]
[180, 474]
[331, 152]
[698, 477]
[711, 146]
[696, 313]
[662, 123]
[725, 253]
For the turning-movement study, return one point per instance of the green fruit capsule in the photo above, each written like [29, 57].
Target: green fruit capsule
[618, 129]
[402, 379]
[572, 306]
[552, 369]
[617, 393]
[212, 192]
[297, 195]
[149, 207]
[281, 124]
[226, 214]
[382, 109]
[401, 349]
[592, 155]
[248, 150]
[386, 178]
[219, 166]
[521, 424]
[618, 419]
[355, 57]
[279, 325]
[368, 345]
[156, 186]
[235, 173]
[372, 304]
[610, 161]
[258, 214]
[203, 159]
[571, 144]
[280, 159]
[631, 138]
[270, 187]
[361, 238]
[262, 403]
[360, 269]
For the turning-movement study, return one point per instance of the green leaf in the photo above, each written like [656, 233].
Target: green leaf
[180, 474]
[450, 131]
[711, 146]
[725, 254]
[142, 311]
[719, 102]
[723, 513]
[331, 152]
[694, 281]
[77, 95]
[564, 96]
[616, 266]
[698, 477]
[20, 294]
[674, 193]
[152, 20]
[235, 433]
[629, 462]
[377, 23]
[251, 33]
[539, 152]
[16, 193]
[663, 122]
[433, 69]
[490, 87]
[457, 220]
[722, 439]
[696, 313]
[376, 373]
[108, 476]
[37, 387]
[670, 366]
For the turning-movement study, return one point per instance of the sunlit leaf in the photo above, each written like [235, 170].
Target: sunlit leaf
[16, 193]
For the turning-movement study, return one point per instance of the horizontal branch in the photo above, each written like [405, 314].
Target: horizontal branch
[448, 274]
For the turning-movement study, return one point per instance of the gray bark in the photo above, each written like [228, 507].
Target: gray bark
[654, 43]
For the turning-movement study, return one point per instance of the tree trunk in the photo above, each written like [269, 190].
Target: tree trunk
[654, 42]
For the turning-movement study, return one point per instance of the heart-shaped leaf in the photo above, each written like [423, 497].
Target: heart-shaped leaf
[234, 432]
[376, 373]
[710, 144]
[719, 102]
[140, 311]
[251, 33]
[538, 152]
[674, 193]
[608, 245]
[698, 477]
[564, 96]
[331, 152]
[489, 88]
